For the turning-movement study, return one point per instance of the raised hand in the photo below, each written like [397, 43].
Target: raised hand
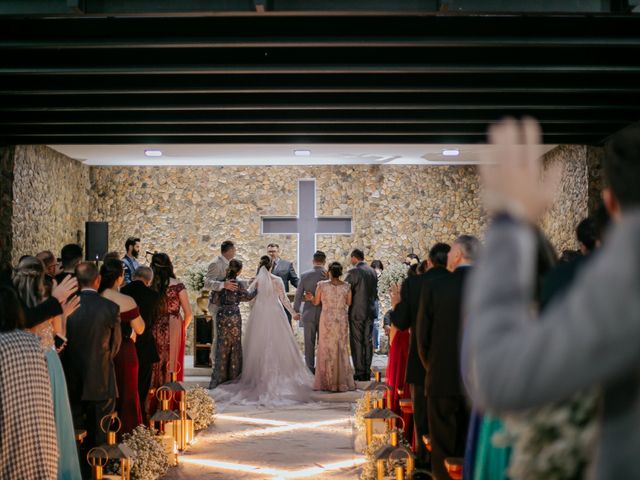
[514, 179]
[65, 289]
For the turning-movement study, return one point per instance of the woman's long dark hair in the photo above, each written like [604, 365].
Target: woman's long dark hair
[162, 275]
[110, 271]
[11, 312]
[234, 268]
[265, 261]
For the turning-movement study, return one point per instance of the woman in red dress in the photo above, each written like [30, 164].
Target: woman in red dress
[170, 327]
[126, 361]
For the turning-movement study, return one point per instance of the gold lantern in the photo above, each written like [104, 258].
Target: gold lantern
[114, 450]
[166, 419]
[97, 458]
[402, 471]
[378, 386]
[183, 430]
[382, 418]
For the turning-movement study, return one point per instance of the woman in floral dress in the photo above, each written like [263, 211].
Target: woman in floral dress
[228, 364]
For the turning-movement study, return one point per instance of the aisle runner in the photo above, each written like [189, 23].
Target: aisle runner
[297, 442]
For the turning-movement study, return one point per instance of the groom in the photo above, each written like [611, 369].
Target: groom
[283, 269]
[310, 319]
[364, 289]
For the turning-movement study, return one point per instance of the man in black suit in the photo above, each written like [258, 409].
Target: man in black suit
[283, 269]
[93, 333]
[403, 316]
[71, 256]
[438, 330]
[364, 290]
[148, 301]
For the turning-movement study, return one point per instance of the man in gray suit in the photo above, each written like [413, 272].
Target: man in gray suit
[215, 282]
[513, 360]
[310, 318]
[364, 288]
[283, 269]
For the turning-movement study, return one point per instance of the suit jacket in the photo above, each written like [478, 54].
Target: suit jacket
[515, 360]
[405, 314]
[93, 333]
[308, 283]
[438, 328]
[364, 290]
[214, 280]
[148, 301]
[284, 269]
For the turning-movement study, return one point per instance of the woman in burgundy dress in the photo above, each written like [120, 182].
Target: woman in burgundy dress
[126, 361]
[170, 327]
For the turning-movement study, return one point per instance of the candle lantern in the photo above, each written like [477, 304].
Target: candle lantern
[403, 472]
[166, 420]
[375, 387]
[377, 421]
[183, 430]
[116, 451]
[382, 454]
[97, 458]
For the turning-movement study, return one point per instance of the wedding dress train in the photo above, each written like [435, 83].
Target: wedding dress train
[273, 371]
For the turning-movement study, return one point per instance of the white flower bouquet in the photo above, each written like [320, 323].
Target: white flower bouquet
[151, 461]
[393, 274]
[195, 275]
[201, 407]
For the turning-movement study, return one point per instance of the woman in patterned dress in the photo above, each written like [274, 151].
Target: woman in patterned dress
[169, 330]
[228, 364]
[333, 366]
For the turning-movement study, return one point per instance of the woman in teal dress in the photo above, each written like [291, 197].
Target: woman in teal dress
[28, 280]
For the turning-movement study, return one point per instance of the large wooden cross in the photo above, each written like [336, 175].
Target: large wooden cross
[306, 224]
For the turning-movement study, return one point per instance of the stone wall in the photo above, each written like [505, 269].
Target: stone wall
[50, 200]
[6, 202]
[189, 211]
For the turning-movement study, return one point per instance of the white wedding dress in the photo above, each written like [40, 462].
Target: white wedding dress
[273, 371]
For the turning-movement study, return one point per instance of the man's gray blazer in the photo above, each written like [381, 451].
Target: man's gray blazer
[308, 283]
[512, 360]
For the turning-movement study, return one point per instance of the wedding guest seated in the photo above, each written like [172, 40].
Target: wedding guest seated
[126, 361]
[71, 256]
[148, 302]
[228, 364]
[28, 440]
[333, 368]
[28, 280]
[94, 336]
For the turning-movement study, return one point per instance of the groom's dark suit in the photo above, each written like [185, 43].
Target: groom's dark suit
[364, 289]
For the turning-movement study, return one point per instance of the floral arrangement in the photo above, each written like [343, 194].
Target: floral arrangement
[150, 461]
[551, 443]
[200, 407]
[393, 274]
[195, 275]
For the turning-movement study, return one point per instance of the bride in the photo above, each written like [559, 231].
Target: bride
[273, 372]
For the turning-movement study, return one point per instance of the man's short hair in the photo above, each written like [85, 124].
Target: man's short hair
[86, 274]
[131, 241]
[621, 165]
[357, 253]
[470, 246]
[47, 258]
[586, 234]
[143, 273]
[319, 257]
[438, 254]
[273, 245]
[226, 246]
[71, 254]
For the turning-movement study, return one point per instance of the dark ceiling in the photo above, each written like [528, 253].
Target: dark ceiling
[314, 77]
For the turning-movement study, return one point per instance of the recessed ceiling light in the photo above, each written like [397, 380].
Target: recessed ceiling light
[302, 153]
[153, 153]
[453, 152]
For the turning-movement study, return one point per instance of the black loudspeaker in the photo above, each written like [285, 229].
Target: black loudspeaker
[96, 244]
